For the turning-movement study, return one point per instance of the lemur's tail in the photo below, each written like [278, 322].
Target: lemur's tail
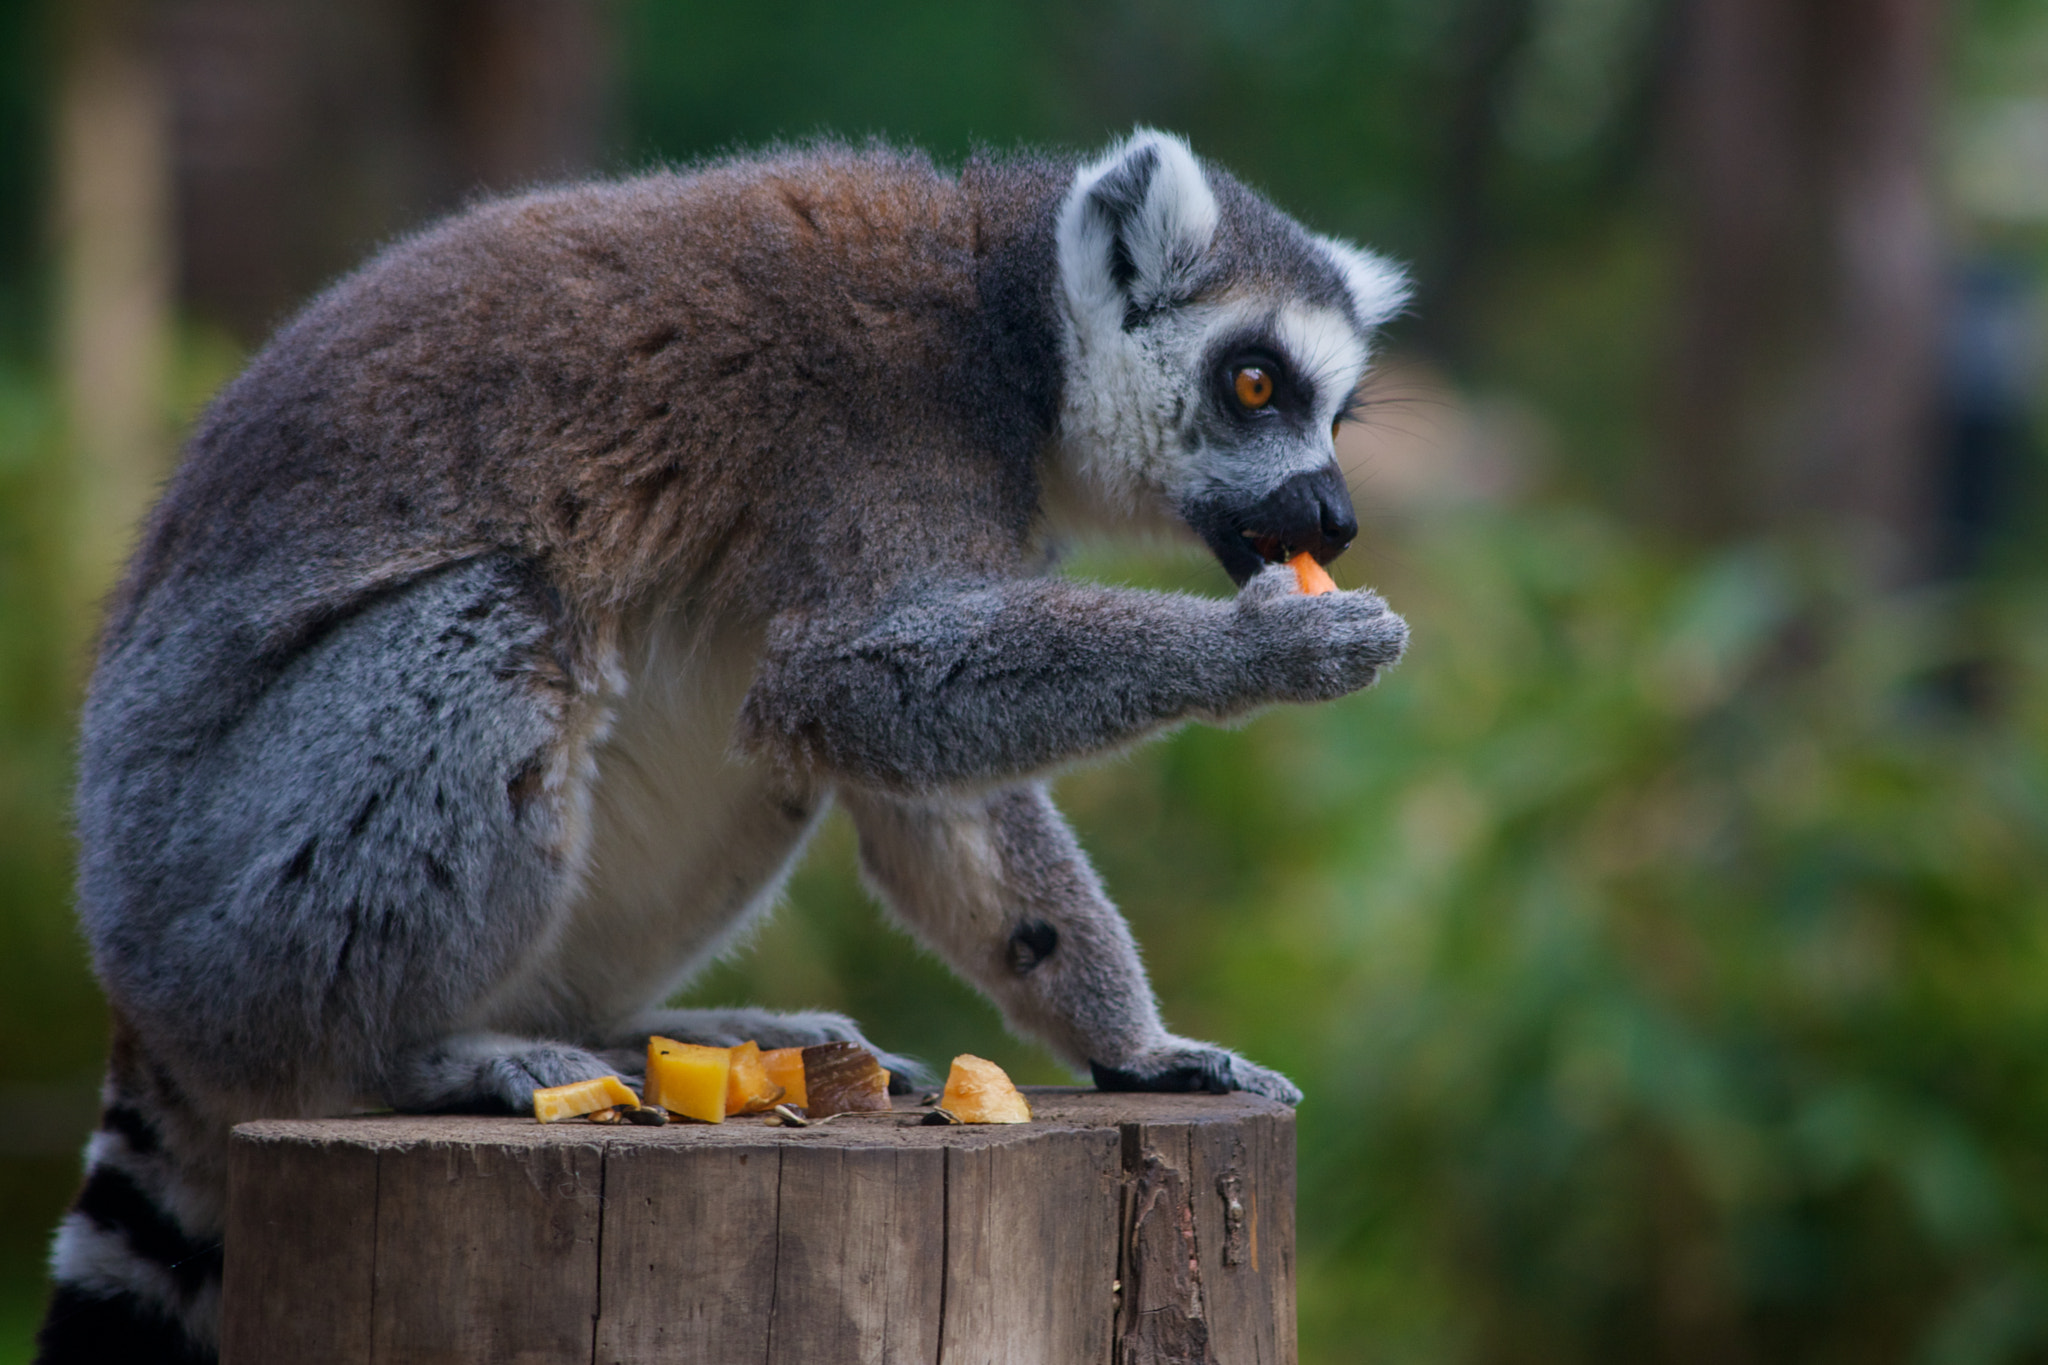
[137, 1260]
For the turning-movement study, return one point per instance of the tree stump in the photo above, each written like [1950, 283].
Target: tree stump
[1119, 1229]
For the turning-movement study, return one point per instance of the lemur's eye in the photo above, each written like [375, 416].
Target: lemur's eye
[1336, 425]
[1254, 386]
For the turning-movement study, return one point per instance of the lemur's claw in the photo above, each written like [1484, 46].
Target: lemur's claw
[1195, 1067]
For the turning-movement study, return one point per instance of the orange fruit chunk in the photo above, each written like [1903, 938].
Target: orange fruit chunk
[1313, 578]
[979, 1091]
[577, 1098]
[747, 1087]
[785, 1067]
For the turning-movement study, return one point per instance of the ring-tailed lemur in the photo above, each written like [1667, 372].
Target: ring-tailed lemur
[518, 612]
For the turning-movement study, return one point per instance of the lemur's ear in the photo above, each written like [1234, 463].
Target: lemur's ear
[1378, 288]
[1134, 230]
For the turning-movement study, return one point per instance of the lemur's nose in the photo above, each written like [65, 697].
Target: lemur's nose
[1340, 522]
[1310, 511]
[1307, 512]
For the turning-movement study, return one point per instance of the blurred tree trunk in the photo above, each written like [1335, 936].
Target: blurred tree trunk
[251, 149]
[308, 132]
[112, 227]
[1492, 36]
[1806, 372]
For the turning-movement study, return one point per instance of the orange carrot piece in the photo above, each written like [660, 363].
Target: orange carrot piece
[1311, 575]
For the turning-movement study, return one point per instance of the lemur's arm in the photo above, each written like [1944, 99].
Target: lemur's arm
[997, 884]
[968, 684]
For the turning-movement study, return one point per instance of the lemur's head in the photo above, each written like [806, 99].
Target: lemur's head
[1213, 345]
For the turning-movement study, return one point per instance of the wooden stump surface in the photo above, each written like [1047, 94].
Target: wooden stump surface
[1113, 1229]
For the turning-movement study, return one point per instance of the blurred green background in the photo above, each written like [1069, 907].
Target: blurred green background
[1664, 946]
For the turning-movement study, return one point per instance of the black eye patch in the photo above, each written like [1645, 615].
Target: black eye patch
[1292, 399]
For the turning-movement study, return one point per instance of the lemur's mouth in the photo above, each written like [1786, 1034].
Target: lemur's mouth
[1309, 512]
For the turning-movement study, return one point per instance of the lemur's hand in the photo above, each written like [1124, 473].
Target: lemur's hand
[1181, 1064]
[487, 1073]
[1317, 648]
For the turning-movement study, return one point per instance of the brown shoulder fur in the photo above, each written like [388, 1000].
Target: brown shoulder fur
[765, 381]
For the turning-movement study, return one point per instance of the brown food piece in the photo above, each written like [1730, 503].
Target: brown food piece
[843, 1078]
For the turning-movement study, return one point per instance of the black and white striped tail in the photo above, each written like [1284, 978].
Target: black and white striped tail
[134, 1283]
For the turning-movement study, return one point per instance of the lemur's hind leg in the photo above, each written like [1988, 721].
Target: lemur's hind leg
[626, 1047]
[997, 884]
[383, 839]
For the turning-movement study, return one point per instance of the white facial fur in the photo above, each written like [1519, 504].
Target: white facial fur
[1133, 398]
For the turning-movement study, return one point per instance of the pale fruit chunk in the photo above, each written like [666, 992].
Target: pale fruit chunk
[785, 1067]
[979, 1091]
[843, 1078]
[559, 1102]
[686, 1079]
[747, 1087]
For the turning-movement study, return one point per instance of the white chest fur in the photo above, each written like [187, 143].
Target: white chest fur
[686, 843]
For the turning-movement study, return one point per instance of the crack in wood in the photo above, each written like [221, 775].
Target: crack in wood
[1163, 1322]
[1230, 1185]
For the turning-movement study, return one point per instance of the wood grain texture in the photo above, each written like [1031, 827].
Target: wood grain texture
[1246, 1252]
[404, 1240]
[299, 1214]
[859, 1270]
[687, 1266]
[487, 1252]
[1031, 1251]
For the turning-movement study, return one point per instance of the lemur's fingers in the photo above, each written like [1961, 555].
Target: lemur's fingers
[1316, 648]
[1269, 584]
[488, 1073]
[1181, 1066]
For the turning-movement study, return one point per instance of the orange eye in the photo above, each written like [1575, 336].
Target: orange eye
[1336, 427]
[1254, 386]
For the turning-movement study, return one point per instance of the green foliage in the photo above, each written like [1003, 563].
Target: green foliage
[1662, 948]
[42, 969]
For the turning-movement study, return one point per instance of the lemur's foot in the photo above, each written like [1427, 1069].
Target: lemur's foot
[1187, 1066]
[488, 1073]
[725, 1028]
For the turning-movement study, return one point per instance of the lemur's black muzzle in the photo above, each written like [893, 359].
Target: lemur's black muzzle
[1306, 512]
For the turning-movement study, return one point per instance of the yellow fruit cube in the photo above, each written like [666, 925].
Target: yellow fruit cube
[686, 1079]
[559, 1102]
